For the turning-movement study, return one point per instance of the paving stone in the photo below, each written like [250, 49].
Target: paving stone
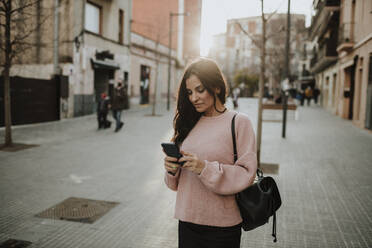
[324, 179]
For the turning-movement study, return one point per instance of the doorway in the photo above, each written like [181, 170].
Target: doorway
[101, 82]
[326, 92]
[349, 90]
[145, 84]
[334, 85]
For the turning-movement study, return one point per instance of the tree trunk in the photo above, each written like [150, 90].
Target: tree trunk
[261, 86]
[7, 107]
[8, 51]
[156, 76]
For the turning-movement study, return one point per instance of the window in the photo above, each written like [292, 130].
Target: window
[236, 28]
[93, 16]
[121, 26]
[252, 27]
[231, 29]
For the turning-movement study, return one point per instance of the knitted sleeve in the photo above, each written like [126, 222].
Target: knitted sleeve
[172, 180]
[227, 179]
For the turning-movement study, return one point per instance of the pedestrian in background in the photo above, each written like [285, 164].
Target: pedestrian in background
[316, 94]
[235, 95]
[118, 104]
[309, 95]
[208, 180]
[103, 107]
[301, 97]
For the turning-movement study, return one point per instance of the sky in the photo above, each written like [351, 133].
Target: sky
[215, 14]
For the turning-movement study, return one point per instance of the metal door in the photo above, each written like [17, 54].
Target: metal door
[32, 100]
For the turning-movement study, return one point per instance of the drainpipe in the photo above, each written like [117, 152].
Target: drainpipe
[130, 22]
[56, 38]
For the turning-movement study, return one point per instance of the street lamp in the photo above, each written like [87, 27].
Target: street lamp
[287, 70]
[170, 51]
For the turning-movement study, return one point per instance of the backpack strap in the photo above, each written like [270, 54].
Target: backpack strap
[233, 137]
[258, 172]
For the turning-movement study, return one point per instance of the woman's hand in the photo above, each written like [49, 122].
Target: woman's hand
[170, 165]
[192, 163]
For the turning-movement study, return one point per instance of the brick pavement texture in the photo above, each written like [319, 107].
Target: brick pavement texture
[325, 170]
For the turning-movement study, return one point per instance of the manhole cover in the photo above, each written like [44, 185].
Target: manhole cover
[269, 168]
[13, 243]
[15, 147]
[78, 210]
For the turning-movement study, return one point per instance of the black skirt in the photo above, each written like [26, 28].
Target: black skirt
[199, 236]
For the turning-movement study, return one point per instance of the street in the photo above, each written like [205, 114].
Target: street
[325, 170]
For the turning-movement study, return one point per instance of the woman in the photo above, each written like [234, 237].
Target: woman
[207, 182]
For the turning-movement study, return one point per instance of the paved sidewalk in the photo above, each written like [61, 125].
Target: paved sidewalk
[325, 180]
[325, 170]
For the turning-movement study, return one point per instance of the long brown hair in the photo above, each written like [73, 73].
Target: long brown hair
[186, 116]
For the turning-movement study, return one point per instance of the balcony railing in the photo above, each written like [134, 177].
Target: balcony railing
[323, 9]
[346, 32]
[305, 73]
[325, 56]
[345, 37]
[313, 60]
[326, 3]
[332, 3]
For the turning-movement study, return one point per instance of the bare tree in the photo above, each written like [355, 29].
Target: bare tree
[274, 42]
[260, 42]
[272, 53]
[156, 74]
[17, 24]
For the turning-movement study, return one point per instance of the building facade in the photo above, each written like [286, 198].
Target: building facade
[305, 78]
[103, 56]
[241, 48]
[324, 37]
[218, 51]
[150, 45]
[91, 53]
[342, 37]
[355, 62]
[99, 43]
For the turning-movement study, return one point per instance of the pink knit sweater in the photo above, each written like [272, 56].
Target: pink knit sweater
[208, 198]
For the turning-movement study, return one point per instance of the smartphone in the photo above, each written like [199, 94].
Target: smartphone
[172, 150]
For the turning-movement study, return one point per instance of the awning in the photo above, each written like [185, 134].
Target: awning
[104, 64]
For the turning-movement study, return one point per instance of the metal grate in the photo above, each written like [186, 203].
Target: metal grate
[13, 243]
[78, 210]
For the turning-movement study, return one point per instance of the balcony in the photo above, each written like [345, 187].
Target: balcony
[346, 37]
[319, 5]
[325, 57]
[326, 11]
[305, 75]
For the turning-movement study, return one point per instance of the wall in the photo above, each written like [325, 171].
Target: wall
[110, 12]
[328, 101]
[151, 18]
[192, 25]
[361, 50]
[141, 56]
[363, 19]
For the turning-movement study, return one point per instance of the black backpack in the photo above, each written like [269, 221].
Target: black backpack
[258, 201]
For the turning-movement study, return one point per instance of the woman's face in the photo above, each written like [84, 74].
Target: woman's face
[199, 96]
